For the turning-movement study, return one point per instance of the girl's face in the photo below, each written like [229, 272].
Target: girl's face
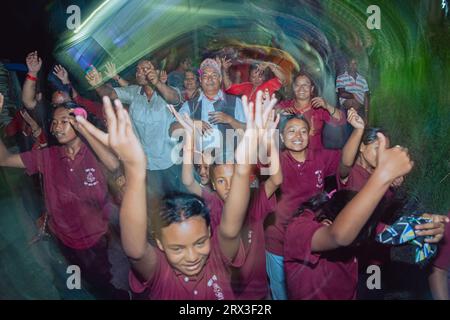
[369, 153]
[186, 245]
[221, 180]
[303, 88]
[61, 127]
[295, 135]
[256, 78]
[190, 81]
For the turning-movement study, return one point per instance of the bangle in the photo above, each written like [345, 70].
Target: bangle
[30, 77]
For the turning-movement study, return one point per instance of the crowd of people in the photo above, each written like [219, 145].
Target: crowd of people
[201, 188]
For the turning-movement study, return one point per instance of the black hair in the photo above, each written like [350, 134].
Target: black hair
[315, 92]
[177, 207]
[370, 135]
[328, 208]
[284, 119]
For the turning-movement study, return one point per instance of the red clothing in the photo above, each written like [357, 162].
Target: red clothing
[76, 194]
[19, 125]
[301, 181]
[442, 260]
[246, 88]
[316, 119]
[212, 283]
[93, 107]
[251, 283]
[356, 179]
[325, 275]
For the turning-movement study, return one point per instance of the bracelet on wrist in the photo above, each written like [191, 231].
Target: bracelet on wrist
[31, 77]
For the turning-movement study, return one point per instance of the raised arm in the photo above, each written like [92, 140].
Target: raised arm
[95, 78]
[225, 65]
[236, 204]
[34, 64]
[187, 173]
[169, 94]
[112, 73]
[61, 73]
[277, 71]
[392, 163]
[334, 112]
[7, 159]
[105, 154]
[351, 147]
[133, 211]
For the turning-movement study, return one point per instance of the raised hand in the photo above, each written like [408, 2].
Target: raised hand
[120, 137]
[318, 102]
[34, 63]
[111, 71]
[29, 120]
[61, 73]
[163, 76]
[354, 119]
[393, 162]
[94, 77]
[225, 63]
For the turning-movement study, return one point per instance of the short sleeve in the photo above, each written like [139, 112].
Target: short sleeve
[139, 286]
[126, 94]
[298, 240]
[260, 205]
[340, 82]
[34, 160]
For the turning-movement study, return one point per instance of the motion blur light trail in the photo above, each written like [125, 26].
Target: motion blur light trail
[405, 61]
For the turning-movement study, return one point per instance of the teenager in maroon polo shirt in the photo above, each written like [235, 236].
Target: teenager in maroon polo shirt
[252, 281]
[317, 264]
[315, 109]
[188, 263]
[76, 197]
[304, 170]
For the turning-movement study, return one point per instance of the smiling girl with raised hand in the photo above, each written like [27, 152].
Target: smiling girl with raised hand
[187, 263]
[251, 284]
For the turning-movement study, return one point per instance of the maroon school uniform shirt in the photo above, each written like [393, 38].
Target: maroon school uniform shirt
[374, 253]
[212, 283]
[442, 260]
[316, 276]
[246, 88]
[316, 119]
[301, 181]
[76, 194]
[250, 283]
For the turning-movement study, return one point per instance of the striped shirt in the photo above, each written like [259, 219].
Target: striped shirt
[356, 86]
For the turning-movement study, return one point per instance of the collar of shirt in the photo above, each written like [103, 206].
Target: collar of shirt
[80, 153]
[218, 96]
[310, 155]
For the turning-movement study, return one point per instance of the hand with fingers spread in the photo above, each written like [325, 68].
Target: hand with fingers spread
[120, 137]
[111, 71]
[94, 77]
[354, 119]
[61, 73]
[34, 63]
[434, 229]
[392, 163]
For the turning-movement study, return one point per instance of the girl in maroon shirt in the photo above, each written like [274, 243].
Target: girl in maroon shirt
[315, 109]
[315, 269]
[186, 263]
